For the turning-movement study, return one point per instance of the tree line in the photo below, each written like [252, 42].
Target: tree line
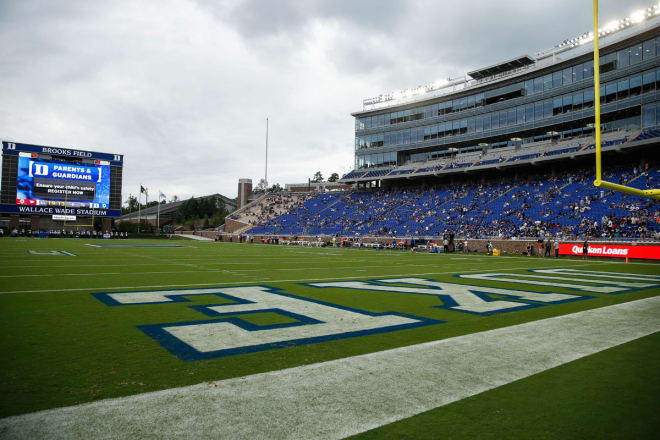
[211, 209]
[132, 204]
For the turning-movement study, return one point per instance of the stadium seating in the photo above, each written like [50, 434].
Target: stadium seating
[401, 172]
[567, 206]
[647, 134]
[268, 207]
[507, 154]
[377, 173]
[354, 174]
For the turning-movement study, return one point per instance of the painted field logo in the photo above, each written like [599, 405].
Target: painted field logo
[68, 254]
[581, 280]
[230, 326]
[478, 300]
[229, 333]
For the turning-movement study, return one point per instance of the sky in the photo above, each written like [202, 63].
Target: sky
[183, 88]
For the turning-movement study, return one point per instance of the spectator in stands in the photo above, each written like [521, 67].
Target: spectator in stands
[568, 207]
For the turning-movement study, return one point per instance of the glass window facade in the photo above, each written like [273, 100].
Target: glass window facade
[617, 60]
[518, 114]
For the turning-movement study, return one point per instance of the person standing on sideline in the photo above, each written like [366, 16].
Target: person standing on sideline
[556, 248]
[548, 246]
[585, 249]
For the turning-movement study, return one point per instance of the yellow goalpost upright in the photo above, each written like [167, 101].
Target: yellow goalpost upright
[599, 182]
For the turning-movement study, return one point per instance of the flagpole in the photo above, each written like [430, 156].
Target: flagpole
[158, 214]
[146, 201]
[266, 173]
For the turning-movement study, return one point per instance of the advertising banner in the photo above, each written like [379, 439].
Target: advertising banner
[612, 250]
[29, 209]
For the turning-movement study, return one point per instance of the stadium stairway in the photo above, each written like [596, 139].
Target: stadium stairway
[243, 229]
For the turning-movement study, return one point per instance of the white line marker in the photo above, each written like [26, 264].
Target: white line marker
[344, 397]
[230, 283]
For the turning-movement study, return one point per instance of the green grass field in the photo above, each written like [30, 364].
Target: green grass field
[61, 345]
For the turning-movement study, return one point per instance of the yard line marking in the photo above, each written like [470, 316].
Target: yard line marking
[344, 397]
[224, 283]
[21, 266]
[172, 261]
[200, 269]
[164, 263]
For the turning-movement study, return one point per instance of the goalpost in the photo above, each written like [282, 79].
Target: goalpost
[599, 182]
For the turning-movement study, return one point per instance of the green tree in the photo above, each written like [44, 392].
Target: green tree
[260, 188]
[333, 177]
[210, 209]
[131, 205]
[318, 177]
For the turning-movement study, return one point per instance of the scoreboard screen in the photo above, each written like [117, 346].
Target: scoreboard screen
[43, 182]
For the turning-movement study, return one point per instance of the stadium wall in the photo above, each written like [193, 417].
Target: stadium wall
[648, 249]
[233, 225]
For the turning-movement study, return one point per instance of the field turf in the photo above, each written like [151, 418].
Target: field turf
[62, 346]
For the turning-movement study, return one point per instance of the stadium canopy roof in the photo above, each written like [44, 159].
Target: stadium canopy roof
[514, 63]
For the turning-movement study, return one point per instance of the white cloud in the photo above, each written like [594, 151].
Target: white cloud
[183, 88]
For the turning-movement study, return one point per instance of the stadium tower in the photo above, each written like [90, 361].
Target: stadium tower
[522, 111]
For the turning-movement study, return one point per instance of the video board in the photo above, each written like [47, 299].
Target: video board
[46, 180]
[41, 182]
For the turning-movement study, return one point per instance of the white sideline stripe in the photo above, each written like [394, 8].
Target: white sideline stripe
[343, 397]
[196, 237]
[286, 269]
[268, 280]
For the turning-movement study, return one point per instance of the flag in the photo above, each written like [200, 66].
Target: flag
[161, 195]
[144, 190]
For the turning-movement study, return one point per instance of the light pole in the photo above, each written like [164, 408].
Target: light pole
[266, 171]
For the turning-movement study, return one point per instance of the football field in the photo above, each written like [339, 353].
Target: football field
[178, 338]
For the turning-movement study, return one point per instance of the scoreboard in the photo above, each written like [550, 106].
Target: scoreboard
[41, 180]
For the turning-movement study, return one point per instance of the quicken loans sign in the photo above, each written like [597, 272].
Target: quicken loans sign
[608, 250]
